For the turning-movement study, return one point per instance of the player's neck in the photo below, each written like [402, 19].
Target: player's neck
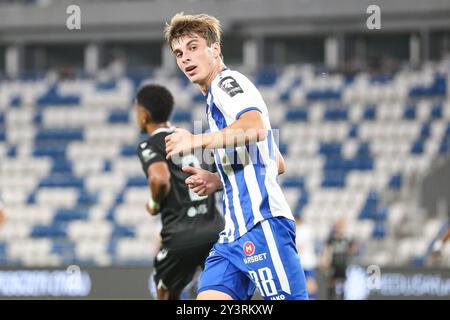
[152, 127]
[218, 68]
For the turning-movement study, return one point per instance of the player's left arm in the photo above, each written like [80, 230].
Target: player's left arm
[248, 128]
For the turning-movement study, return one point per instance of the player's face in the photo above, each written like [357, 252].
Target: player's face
[140, 118]
[195, 58]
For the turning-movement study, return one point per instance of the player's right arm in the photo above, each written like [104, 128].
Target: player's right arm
[204, 183]
[156, 169]
[280, 162]
[159, 183]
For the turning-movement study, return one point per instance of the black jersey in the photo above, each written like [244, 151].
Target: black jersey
[187, 219]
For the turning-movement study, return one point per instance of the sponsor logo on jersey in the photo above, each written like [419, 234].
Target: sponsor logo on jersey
[161, 254]
[230, 86]
[148, 154]
[255, 258]
[249, 248]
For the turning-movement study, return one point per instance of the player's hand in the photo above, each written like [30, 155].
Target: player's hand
[181, 142]
[201, 181]
[152, 207]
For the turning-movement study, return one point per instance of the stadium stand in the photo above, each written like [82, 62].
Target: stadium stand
[353, 148]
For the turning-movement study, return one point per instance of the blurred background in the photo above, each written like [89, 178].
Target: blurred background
[364, 125]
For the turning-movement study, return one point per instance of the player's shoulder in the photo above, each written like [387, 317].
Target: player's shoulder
[232, 83]
[158, 136]
[155, 144]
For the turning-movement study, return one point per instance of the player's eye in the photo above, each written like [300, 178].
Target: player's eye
[178, 54]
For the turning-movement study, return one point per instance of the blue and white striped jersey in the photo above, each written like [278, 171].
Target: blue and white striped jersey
[248, 173]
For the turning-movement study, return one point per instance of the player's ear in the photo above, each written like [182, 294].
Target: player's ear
[147, 116]
[217, 51]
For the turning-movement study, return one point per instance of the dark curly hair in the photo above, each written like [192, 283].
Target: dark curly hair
[157, 100]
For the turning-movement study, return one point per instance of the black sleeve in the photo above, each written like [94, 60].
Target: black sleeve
[149, 154]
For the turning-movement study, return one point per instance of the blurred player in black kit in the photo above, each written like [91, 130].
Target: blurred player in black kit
[190, 223]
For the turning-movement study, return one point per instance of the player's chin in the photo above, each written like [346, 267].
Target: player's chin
[194, 78]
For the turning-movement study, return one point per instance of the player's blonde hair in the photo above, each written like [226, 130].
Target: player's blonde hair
[206, 26]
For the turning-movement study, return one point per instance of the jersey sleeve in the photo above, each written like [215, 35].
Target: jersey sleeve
[237, 95]
[148, 154]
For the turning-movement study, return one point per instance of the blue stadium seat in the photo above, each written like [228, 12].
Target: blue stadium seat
[395, 182]
[139, 181]
[107, 166]
[119, 116]
[31, 198]
[329, 149]
[353, 131]
[62, 181]
[198, 97]
[294, 182]
[425, 131]
[49, 150]
[182, 116]
[52, 231]
[410, 112]
[444, 147]
[379, 231]
[370, 112]
[65, 134]
[86, 198]
[67, 215]
[297, 114]
[266, 77]
[370, 207]
[122, 231]
[37, 118]
[334, 179]
[16, 101]
[336, 114]
[381, 78]
[64, 248]
[109, 85]
[417, 147]
[129, 151]
[437, 88]
[315, 95]
[52, 97]
[283, 147]
[12, 151]
[436, 112]
[381, 214]
[62, 166]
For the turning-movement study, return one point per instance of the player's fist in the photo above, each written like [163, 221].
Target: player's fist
[152, 207]
[201, 181]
